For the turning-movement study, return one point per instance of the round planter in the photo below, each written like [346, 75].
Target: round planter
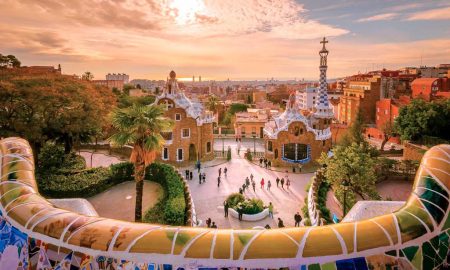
[245, 217]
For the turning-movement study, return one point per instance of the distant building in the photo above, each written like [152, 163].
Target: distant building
[118, 77]
[361, 93]
[110, 83]
[430, 88]
[251, 123]
[38, 70]
[298, 137]
[192, 136]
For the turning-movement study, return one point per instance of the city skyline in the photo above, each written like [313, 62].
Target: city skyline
[240, 40]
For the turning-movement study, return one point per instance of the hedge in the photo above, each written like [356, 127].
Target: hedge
[173, 205]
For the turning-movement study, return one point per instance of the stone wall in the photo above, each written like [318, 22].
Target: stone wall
[413, 151]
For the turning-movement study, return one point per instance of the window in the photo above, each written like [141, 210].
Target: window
[385, 111]
[179, 154]
[208, 147]
[185, 133]
[295, 151]
[269, 146]
[177, 117]
[165, 153]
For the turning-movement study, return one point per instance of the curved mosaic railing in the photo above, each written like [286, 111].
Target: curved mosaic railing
[417, 234]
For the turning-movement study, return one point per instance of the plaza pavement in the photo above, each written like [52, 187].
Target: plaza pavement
[207, 197]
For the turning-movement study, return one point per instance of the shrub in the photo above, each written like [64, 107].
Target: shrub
[235, 198]
[252, 206]
[172, 208]
[229, 154]
[248, 155]
[52, 159]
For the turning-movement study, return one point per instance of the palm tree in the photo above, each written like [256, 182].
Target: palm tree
[140, 126]
[212, 103]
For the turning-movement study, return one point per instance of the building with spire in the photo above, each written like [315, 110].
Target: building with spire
[192, 135]
[297, 136]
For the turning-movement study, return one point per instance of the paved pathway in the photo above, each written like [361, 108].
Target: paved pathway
[99, 159]
[207, 197]
[118, 202]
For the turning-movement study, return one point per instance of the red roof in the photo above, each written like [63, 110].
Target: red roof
[424, 82]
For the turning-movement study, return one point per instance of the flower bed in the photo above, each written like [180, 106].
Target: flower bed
[252, 209]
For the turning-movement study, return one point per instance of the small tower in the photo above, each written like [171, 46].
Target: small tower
[172, 84]
[323, 108]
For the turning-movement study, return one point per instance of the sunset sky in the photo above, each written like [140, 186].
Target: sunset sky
[219, 39]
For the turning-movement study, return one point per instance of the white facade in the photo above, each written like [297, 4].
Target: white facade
[118, 77]
[306, 98]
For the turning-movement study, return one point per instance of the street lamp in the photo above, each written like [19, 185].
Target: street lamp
[345, 185]
[223, 144]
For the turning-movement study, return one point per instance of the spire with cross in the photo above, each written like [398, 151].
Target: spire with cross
[323, 108]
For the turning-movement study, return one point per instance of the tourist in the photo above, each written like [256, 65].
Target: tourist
[186, 172]
[288, 183]
[214, 226]
[240, 211]
[243, 187]
[208, 222]
[220, 171]
[247, 182]
[240, 191]
[260, 161]
[282, 183]
[262, 183]
[198, 166]
[297, 219]
[269, 164]
[280, 223]
[225, 207]
[225, 171]
[218, 181]
[278, 181]
[204, 177]
[270, 210]
[200, 178]
[269, 184]
[251, 176]
[191, 175]
[254, 186]
[267, 227]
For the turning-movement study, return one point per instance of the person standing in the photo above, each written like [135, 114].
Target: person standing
[190, 175]
[225, 171]
[208, 222]
[254, 186]
[186, 173]
[270, 210]
[282, 183]
[198, 166]
[247, 182]
[280, 223]
[200, 178]
[269, 184]
[218, 181]
[240, 211]
[241, 191]
[288, 183]
[262, 183]
[204, 177]
[260, 161]
[278, 181]
[297, 219]
[220, 171]
[243, 187]
[225, 207]
[251, 176]
[214, 226]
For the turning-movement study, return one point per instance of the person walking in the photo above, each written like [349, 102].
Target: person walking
[270, 210]
[241, 191]
[190, 175]
[218, 181]
[214, 226]
[208, 222]
[269, 184]
[220, 171]
[297, 219]
[243, 187]
[198, 166]
[288, 183]
[204, 177]
[260, 161]
[225, 171]
[269, 164]
[225, 207]
[240, 211]
[186, 173]
[280, 223]
[262, 183]
[254, 186]
[278, 181]
[282, 183]
[251, 176]
[247, 182]
[200, 178]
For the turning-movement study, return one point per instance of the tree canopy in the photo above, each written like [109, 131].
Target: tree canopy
[354, 164]
[9, 61]
[234, 108]
[53, 108]
[420, 119]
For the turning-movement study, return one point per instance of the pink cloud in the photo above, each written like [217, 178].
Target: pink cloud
[379, 17]
[431, 14]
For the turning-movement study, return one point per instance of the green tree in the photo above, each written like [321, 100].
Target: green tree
[212, 103]
[140, 126]
[420, 119]
[388, 130]
[52, 108]
[355, 165]
[87, 76]
[126, 88]
[9, 61]
[234, 108]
